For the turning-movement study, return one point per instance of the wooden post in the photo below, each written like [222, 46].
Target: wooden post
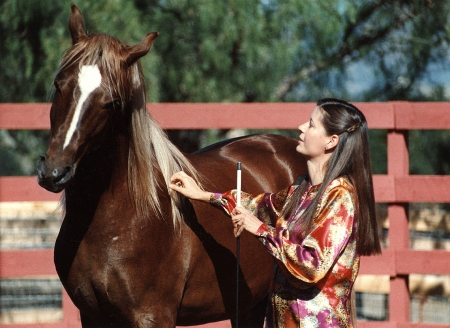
[398, 167]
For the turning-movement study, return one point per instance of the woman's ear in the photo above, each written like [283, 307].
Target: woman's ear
[332, 142]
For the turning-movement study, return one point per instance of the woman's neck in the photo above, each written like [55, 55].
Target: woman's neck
[316, 172]
[317, 168]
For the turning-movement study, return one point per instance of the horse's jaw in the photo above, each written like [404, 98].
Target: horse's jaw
[50, 185]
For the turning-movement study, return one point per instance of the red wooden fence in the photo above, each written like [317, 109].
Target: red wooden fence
[397, 187]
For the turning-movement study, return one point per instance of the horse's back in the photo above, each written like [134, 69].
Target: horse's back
[269, 164]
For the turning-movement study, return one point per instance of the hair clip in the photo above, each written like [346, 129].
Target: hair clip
[354, 127]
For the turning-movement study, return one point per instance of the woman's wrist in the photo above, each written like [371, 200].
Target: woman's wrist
[205, 196]
[262, 230]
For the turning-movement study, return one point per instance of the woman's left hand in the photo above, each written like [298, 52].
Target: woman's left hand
[243, 219]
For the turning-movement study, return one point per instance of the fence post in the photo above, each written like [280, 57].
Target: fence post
[398, 166]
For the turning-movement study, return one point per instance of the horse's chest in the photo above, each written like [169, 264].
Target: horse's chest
[92, 261]
[100, 277]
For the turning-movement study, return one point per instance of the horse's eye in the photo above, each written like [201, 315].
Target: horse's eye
[56, 85]
[115, 104]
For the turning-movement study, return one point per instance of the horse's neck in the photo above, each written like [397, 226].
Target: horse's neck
[96, 173]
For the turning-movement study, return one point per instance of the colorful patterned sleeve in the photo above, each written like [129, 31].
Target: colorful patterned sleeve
[266, 206]
[309, 257]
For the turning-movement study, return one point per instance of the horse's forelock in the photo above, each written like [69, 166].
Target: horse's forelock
[107, 52]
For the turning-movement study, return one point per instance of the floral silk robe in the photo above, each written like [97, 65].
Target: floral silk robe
[315, 271]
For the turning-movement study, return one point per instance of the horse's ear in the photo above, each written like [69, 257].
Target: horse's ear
[76, 24]
[137, 51]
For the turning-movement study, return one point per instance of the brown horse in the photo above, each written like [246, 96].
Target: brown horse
[131, 252]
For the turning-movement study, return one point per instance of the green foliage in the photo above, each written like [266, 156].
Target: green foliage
[19, 151]
[378, 151]
[241, 51]
[215, 51]
[429, 152]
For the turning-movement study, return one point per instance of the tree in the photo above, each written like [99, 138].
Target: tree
[300, 51]
[242, 50]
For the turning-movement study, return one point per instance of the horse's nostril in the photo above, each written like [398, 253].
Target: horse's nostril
[40, 166]
[62, 175]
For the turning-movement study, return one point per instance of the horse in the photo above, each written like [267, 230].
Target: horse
[131, 252]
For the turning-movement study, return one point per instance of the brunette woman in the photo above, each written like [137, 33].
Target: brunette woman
[317, 228]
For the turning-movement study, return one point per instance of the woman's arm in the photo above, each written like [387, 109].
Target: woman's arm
[255, 211]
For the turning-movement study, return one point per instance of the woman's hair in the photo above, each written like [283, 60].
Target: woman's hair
[350, 158]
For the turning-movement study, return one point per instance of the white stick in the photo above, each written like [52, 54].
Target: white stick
[238, 244]
[238, 193]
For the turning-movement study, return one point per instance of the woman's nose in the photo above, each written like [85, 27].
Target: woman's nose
[301, 127]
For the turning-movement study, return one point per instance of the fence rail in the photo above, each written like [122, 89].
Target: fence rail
[397, 188]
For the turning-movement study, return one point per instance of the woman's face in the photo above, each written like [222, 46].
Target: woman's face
[313, 138]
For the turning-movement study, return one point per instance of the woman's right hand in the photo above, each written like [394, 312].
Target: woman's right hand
[185, 185]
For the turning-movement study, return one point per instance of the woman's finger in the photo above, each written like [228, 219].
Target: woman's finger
[240, 210]
[179, 177]
[238, 230]
[238, 218]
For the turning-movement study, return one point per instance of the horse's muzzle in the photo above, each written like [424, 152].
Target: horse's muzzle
[53, 177]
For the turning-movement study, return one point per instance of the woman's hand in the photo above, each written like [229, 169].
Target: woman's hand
[243, 219]
[185, 185]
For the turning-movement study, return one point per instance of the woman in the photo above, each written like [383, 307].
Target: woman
[317, 228]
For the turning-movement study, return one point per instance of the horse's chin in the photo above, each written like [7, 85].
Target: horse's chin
[50, 185]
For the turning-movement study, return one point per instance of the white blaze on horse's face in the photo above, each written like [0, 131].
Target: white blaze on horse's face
[89, 79]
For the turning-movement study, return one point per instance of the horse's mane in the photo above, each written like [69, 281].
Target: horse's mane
[152, 158]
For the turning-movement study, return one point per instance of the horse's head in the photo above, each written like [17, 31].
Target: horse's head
[98, 83]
